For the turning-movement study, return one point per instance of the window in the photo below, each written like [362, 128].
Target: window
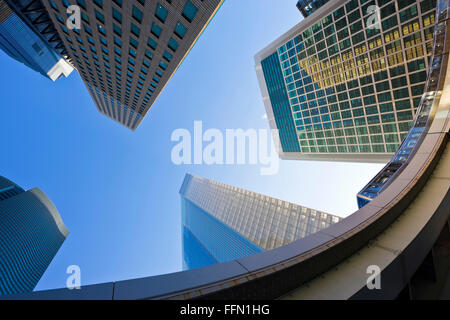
[84, 17]
[401, 93]
[351, 5]
[404, 3]
[156, 30]
[404, 115]
[149, 55]
[382, 86]
[152, 43]
[101, 29]
[117, 15]
[416, 65]
[135, 30]
[117, 41]
[99, 3]
[417, 90]
[417, 77]
[341, 23]
[354, 28]
[82, 4]
[173, 45]
[427, 5]
[117, 30]
[352, 17]
[134, 43]
[180, 30]
[161, 13]
[167, 56]
[137, 14]
[55, 7]
[409, 13]
[399, 82]
[163, 65]
[189, 11]
[358, 38]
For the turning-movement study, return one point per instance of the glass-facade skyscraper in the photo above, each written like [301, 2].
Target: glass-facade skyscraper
[22, 43]
[127, 51]
[344, 83]
[222, 223]
[31, 233]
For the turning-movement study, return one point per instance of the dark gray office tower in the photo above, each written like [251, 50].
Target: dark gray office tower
[31, 233]
[127, 51]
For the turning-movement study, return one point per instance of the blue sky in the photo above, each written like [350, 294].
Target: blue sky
[117, 190]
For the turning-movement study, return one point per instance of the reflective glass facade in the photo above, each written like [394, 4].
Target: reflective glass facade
[354, 77]
[206, 240]
[280, 103]
[31, 233]
[228, 222]
[195, 255]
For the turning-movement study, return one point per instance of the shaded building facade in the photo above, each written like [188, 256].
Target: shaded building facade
[344, 84]
[222, 223]
[31, 233]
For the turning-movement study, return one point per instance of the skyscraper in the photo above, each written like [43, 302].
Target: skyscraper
[127, 51]
[307, 7]
[344, 83]
[31, 233]
[222, 223]
[22, 43]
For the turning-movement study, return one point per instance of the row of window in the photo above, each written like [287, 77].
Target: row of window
[346, 13]
[320, 65]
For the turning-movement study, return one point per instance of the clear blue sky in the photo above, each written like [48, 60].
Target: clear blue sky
[117, 190]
